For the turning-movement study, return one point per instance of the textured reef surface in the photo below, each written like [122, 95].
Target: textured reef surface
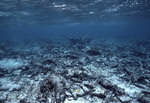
[76, 70]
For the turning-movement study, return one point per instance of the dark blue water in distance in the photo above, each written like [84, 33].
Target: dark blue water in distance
[134, 30]
[74, 51]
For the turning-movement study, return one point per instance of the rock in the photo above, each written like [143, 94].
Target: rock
[74, 72]
[84, 60]
[78, 73]
[78, 93]
[70, 98]
[125, 99]
[68, 63]
[48, 61]
[93, 52]
[88, 84]
[114, 64]
[53, 86]
[105, 83]
[71, 56]
[15, 87]
[111, 86]
[52, 82]
[17, 72]
[68, 93]
[47, 66]
[76, 80]
[143, 80]
[99, 92]
[85, 89]
[74, 94]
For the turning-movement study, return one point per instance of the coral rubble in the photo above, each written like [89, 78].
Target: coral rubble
[81, 72]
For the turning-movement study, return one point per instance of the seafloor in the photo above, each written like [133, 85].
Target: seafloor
[78, 70]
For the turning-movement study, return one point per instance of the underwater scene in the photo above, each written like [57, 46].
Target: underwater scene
[74, 51]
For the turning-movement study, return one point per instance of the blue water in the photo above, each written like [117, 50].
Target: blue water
[98, 18]
[136, 30]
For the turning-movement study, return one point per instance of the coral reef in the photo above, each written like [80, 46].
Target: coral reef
[101, 71]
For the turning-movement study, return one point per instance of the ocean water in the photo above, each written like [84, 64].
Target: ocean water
[136, 30]
[74, 51]
[48, 18]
